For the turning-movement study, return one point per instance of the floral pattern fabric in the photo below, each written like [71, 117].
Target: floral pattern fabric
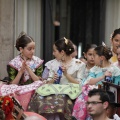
[80, 110]
[15, 65]
[52, 104]
[23, 93]
[58, 103]
[72, 90]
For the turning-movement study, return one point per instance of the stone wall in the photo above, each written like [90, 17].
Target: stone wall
[6, 34]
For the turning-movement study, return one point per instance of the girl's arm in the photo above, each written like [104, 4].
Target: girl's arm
[17, 78]
[93, 81]
[15, 75]
[79, 73]
[71, 79]
[68, 76]
[37, 75]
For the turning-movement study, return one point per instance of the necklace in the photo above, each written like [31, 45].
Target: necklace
[88, 67]
[67, 64]
[23, 57]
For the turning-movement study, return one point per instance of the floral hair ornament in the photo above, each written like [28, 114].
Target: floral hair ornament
[111, 35]
[103, 44]
[66, 41]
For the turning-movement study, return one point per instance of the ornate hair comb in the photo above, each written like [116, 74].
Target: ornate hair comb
[21, 34]
[103, 44]
[66, 41]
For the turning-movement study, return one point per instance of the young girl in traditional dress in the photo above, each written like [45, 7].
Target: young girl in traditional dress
[89, 56]
[24, 71]
[57, 98]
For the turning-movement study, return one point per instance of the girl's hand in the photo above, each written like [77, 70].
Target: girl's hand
[55, 77]
[108, 73]
[23, 67]
[64, 69]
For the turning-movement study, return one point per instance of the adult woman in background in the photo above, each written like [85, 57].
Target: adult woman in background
[58, 102]
[118, 57]
[115, 42]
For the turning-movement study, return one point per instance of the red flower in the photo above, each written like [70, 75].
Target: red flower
[7, 106]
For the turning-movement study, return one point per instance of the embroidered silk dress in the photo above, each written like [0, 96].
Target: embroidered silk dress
[15, 65]
[27, 90]
[58, 100]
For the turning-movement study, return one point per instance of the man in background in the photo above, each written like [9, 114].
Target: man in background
[97, 104]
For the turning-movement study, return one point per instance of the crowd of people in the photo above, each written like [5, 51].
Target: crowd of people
[76, 96]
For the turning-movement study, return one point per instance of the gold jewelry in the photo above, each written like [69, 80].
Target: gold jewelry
[103, 44]
[66, 41]
[63, 58]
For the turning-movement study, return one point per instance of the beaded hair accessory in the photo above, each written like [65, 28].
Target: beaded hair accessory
[66, 41]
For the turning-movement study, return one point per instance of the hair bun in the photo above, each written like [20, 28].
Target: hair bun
[21, 34]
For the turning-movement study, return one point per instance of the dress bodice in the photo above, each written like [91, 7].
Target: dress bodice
[75, 68]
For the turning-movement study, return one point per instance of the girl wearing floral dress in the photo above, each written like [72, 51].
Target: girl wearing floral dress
[56, 103]
[25, 69]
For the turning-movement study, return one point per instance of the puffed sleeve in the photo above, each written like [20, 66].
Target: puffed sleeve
[45, 73]
[80, 73]
[12, 73]
[94, 72]
[39, 71]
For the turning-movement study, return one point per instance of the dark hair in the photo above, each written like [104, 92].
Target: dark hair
[22, 40]
[65, 44]
[102, 93]
[116, 31]
[89, 46]
[104, 51]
